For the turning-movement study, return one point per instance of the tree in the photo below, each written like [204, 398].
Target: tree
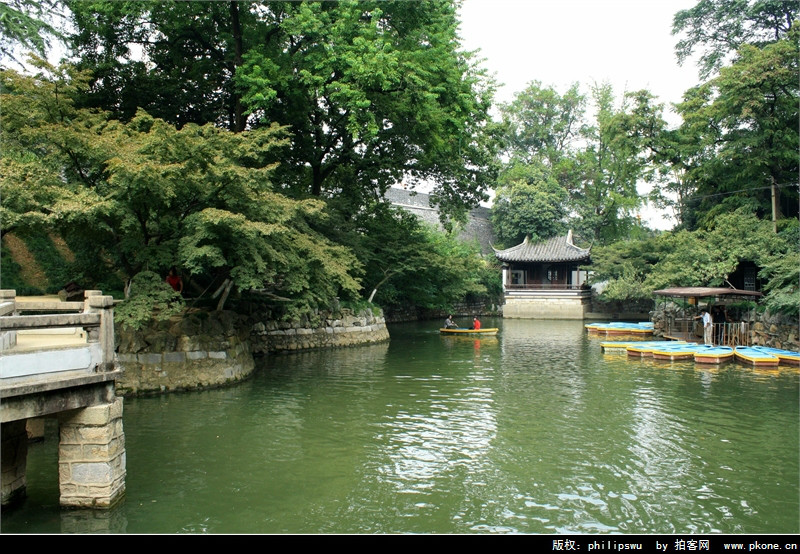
[374, 93]
[543, 125]
[598, 162]
[705, 257]
[144, 195]
[24, 27]
[531, 202]
[408, 263]
[743, 124]
[721, 27]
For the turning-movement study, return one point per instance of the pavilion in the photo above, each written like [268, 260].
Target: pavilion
[544, 280]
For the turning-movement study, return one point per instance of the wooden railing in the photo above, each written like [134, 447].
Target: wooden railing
[545, 286]
[724, 334]
[95, 315]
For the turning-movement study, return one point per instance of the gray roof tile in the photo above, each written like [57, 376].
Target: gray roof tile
[556, 249]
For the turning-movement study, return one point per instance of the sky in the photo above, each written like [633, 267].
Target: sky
[627, 43]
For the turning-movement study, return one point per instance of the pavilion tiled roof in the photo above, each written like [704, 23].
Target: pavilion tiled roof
[556, 249]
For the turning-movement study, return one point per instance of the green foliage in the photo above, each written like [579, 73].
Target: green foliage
[57, 270]
[408, 263]
[598, 163]
[374, 92]
[10, 277]
[529, 201]
[634, 269]
[150, 299]
[23, 27]
[145, 195]
[720, 27]
[744, 126]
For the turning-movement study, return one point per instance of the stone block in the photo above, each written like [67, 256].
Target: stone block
[218, 355]
[149, 358]
[174, 357]
[197, 355]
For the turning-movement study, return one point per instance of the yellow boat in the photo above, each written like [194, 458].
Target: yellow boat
[488, 332]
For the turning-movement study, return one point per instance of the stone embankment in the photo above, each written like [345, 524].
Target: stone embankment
[775, 331]
[346, 329]
[209, 349]
[198, 350]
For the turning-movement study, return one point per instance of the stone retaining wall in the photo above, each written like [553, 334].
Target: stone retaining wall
[344, 329]
[775, 331]
[207, 349]
[198, 350]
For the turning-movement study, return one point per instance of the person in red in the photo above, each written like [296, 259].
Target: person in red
[174, 280]
[476, 323]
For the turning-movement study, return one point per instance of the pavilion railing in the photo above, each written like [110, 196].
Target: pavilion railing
[545, 286]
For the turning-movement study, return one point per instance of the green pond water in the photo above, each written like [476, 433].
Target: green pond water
[534, 431]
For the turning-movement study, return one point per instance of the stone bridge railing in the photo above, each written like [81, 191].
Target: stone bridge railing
[95, 316]
[71, 379]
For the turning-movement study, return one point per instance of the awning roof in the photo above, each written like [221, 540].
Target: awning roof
[705, 291]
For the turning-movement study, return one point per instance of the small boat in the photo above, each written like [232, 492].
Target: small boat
[620, 328]
[646, 349]
[680, 352]
[715, 355]
[488, 332]
[749, 355]
[633, 348]
[784, 356]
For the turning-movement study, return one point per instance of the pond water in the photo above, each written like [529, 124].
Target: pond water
[534, 431]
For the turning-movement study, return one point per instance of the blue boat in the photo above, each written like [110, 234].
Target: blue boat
[750, 355]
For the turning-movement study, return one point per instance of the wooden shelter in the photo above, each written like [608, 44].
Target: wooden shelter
[682, 324]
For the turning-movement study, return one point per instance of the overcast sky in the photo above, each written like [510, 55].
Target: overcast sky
[558, 42]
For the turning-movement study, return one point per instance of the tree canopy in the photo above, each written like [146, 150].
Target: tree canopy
[373, 93]
[144, 195]
[587, 167]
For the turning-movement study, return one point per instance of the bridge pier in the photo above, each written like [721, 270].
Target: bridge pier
[91, 456]
[14, 460]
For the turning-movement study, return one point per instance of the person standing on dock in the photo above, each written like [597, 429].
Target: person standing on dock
[707, 327]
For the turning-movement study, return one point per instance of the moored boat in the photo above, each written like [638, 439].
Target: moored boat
[488, 332]
[750, 355]
[715, 355]
[680, 352]
[620, 328]
[784, 356]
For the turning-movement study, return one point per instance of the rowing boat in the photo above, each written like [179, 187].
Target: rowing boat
[748, 355]
[488, 332]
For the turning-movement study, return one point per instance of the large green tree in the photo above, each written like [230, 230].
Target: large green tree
[741, 136]
[715, 29]
[374, 93]
[138, 195]
[598, 160]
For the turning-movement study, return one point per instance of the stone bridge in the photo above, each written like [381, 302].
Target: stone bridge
[60, 364]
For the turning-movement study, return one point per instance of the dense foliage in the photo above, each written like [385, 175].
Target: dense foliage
[374, 93]
[252, 142]
[567, 169]
[632, 270]
[144, 195]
